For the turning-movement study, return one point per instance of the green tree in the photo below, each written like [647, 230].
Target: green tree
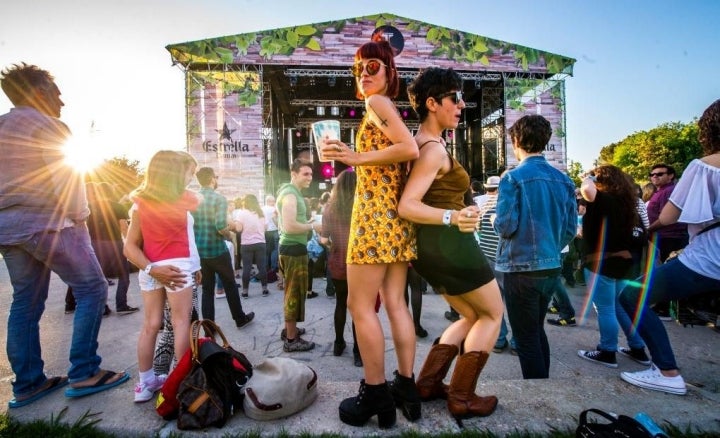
[574, 171]
[123, 174]
[675, 144]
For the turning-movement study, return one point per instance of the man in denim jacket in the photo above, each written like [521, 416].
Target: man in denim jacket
[536, 218]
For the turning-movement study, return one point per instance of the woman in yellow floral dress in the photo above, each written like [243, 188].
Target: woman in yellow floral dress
[381, 243]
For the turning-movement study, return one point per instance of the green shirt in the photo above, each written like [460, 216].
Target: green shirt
[301, 216]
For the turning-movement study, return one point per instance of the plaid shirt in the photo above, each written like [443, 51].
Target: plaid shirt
[210, 218]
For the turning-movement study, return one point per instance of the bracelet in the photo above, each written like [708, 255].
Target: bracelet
[447, 217]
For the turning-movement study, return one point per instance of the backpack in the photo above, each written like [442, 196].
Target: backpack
[213, 390]
[616, 426]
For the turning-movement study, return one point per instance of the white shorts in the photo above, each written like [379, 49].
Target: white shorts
[186, 265]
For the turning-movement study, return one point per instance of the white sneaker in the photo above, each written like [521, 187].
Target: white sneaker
[219, 295]
[145, 391]
[653, 379]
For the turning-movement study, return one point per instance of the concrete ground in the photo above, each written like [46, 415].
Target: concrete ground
[538, 406]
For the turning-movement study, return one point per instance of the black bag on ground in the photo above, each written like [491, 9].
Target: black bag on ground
[213, 390]
[617, 426]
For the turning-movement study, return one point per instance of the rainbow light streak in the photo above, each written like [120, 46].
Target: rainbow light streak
[597, 264]
[646, 280]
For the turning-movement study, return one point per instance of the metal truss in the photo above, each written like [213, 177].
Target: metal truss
[347, 123]
[403, 74]
[353, 103]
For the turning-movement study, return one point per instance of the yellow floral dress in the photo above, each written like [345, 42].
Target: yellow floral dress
[377, 233]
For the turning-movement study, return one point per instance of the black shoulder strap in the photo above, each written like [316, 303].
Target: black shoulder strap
[429, 141]
[709, 227]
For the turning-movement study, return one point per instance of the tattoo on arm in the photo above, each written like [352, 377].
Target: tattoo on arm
[383, 122]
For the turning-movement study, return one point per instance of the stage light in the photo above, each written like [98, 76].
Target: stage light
[328, 171]
[352, 112]
[405, 114]
[348, 83]
[298, 133]
[331, 81]
[334, 111]
[293, 81]
[320, 110]
[311, 82]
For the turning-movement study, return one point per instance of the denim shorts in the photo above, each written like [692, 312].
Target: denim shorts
[186, 265]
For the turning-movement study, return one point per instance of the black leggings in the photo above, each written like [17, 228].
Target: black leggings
[416, 284]
[341, 295]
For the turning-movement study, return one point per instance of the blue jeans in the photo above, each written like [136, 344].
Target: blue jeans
[667, 282]
[527, 298]
[562, 301]
[605, 293]
[69, 254]
[502, 336]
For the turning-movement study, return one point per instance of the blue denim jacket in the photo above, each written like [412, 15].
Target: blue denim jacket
[536, 216]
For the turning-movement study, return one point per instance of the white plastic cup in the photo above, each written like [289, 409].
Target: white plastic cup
[325, 130]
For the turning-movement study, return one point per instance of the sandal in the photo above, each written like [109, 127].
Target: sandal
[101, 385]
[50, 385]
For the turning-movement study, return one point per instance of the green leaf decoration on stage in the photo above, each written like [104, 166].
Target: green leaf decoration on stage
[452, 44]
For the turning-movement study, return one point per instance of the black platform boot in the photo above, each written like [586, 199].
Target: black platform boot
[371, 400]
[405, 395]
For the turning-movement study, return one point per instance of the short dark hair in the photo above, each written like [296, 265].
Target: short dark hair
[298, 164]
[205, 175]
[709, 129]
[476, 186]
[18, 81]
[532, 133]
[383, 51]
[431, 82]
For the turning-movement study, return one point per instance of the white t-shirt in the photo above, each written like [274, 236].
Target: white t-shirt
[270, 213]
[253, 227]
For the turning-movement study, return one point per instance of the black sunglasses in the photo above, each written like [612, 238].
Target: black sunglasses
[658, 174]
[456, 96]
[372, 67]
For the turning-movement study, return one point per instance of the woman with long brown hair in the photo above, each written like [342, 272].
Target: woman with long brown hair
[607, 229]
[335, 235]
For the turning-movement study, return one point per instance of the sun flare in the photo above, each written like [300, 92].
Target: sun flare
[83, 155]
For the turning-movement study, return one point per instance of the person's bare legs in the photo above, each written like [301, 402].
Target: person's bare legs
[153, 304]
[364, 283]
[482, 311]
[180, 310]
[401, 322]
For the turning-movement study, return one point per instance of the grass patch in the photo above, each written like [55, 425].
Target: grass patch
[86, 427]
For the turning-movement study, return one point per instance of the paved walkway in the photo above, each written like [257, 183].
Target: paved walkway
[540, 405]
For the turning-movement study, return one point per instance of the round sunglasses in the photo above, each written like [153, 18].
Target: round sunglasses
[372, 67]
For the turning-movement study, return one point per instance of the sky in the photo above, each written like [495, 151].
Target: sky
[639, 63]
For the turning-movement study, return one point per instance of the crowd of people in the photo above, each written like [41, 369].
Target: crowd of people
[402, 213]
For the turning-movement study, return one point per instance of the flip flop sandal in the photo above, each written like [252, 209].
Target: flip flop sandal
[50, 385]
[100, 386]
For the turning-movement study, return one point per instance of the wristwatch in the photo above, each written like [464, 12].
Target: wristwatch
[148, 268]
[447, 217]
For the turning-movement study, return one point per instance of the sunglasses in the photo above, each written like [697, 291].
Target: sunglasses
[372, 67]
[658, 174]
[455, 96]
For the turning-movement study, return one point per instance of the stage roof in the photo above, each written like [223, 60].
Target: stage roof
[333, 43]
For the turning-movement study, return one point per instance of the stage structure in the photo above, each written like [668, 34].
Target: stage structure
[250, 98]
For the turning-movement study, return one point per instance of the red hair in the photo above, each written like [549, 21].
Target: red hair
[381, 50]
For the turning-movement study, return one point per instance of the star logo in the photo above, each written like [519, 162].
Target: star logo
[226, 132]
